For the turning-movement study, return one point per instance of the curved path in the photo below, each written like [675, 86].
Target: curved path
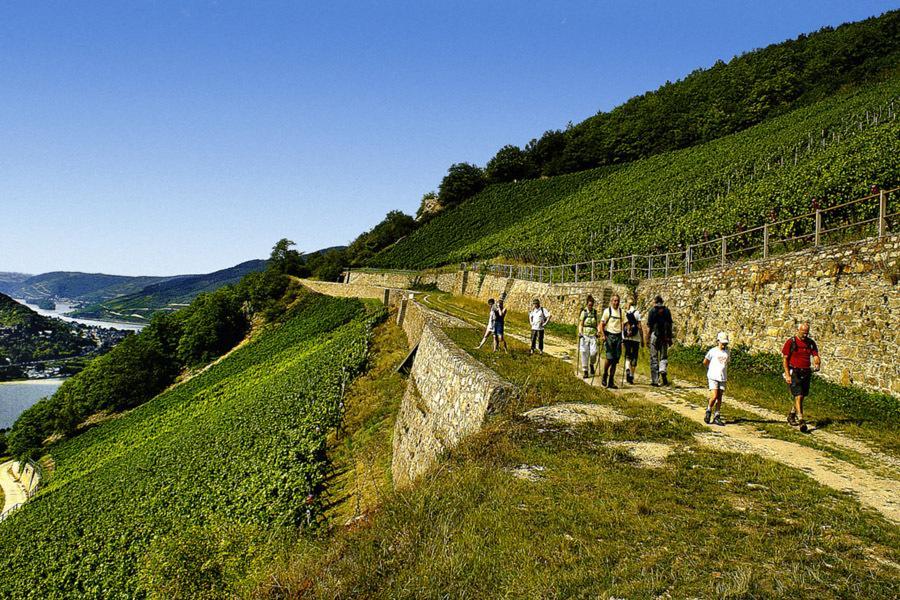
[876, 491]
[13, 492]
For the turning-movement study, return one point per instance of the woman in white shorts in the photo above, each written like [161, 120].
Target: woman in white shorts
[716, 361]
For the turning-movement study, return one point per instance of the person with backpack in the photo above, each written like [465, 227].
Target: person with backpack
[587, 336]
[539, 318]
[716, 363]
[633, 339]
[490, 324]
[499, 318]
[612, 324]
[659, 328]
[800, 357]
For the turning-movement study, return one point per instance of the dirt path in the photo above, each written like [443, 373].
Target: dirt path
[13, 492]
[874, 491]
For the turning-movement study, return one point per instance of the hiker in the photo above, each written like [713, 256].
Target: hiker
[499, 318]
[659, 328]
[587, 336]
[539, 318]
[611, 324]
[800, 359]
[716, 361]
[490, 324]
[633, 339]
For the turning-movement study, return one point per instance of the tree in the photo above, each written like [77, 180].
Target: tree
[428, 206]
[463, 180]
[393, 227]
[510, 164]
[285, 260]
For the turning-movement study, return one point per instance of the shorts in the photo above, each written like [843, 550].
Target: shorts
[498, 328]
[613, 346]
[631, 350]
[800, 379]
[716, 385]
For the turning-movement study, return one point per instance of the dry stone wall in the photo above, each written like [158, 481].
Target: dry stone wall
[449, 396]
[848, 293]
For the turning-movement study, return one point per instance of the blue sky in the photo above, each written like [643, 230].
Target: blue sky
[182, 137]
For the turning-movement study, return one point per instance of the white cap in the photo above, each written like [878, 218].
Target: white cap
[722, 338]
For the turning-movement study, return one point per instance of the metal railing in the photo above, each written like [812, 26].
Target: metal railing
[875, 215]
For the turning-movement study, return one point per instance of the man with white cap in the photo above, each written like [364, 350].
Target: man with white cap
[716, 361]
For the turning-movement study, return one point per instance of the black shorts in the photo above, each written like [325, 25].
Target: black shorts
[800, 379]
[631, 349]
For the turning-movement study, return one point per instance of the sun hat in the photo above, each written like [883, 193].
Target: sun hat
[722, 338]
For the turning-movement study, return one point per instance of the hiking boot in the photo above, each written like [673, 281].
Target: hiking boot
[792, 418]
[629, 378]
[707, 416]
[665, 379]
[802, 425]
[612, 386]
[604, 382]
[592, 370]
[718, 421]
[585, 374]
[654, 384]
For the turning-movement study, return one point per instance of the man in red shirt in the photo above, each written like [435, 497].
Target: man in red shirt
[800, 359]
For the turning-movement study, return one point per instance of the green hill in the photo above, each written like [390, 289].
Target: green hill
[833, 150]
[26, 336]
[242, 445]
[73, 285]
[169, 294]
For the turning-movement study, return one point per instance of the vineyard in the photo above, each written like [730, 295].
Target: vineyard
[243, 442]
[832, 151]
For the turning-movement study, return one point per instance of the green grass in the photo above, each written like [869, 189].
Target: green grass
[144, 502]
[663, 201]
[709, 524]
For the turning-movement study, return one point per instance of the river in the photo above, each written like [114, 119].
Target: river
[62, 308]
[16, 396]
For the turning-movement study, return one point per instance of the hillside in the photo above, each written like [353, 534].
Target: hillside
[26, 336]
[73, 285]
[237, 450]
[833, 150]
[711, 103]
[168, 294]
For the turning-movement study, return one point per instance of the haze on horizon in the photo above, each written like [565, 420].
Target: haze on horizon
[185, 137]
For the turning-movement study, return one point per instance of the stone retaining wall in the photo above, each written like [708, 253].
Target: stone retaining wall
[449, 396]
[849, 293]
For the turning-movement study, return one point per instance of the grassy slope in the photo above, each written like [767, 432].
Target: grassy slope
[666, 198]
[597, 524]
[240, 443]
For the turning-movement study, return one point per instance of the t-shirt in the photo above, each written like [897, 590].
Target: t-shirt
[718, 363]
[636, 337]
[588, 320]
[805, 350]
[538, 318]
[613, 318]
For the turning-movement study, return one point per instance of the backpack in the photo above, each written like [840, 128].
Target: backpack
[810, 343]
[632, 326]
[662, 326]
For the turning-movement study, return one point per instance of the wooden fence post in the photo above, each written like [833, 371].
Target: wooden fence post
[611, 262]
[592, 271]
[667, 264]
[724, 249]
[632, 267]
[882, 213]
[818, 227]
[766, 240]
[687, 260]
[576, 272]
[649, 267]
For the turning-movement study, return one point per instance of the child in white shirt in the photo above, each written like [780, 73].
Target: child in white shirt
[717, 362]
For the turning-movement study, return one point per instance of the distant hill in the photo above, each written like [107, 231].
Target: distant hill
[73, 285]
[26, 336]
[169, 294]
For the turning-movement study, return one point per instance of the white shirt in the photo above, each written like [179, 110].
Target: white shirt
[538, 318]
[718, 362]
